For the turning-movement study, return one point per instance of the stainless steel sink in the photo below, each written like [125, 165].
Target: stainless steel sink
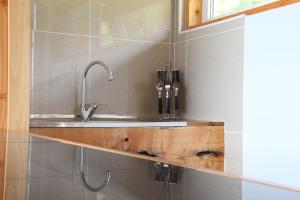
[100, 121]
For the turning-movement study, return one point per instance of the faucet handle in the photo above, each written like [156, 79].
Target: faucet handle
[89, 110]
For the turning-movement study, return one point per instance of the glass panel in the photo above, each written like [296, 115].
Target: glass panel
[225, 7]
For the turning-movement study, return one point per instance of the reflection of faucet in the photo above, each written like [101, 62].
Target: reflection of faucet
[88, 110]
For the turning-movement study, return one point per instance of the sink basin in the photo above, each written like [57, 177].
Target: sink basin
[100, 121]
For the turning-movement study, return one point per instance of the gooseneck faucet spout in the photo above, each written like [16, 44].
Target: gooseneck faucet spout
[88, 110]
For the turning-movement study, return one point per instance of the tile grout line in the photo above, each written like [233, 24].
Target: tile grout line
[174, 31]
[89, 90]
[90, 29]
[62, 33]
[182, 41]
[233, 132]
[29, 168]
[184, 183]
[90, 48]
[132, 40]
[31, 94]
[32, 53]
[218, 33]
[212, 34]
[101, 37]
[186, 72]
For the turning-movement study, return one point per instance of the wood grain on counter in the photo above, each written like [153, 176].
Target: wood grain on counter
[191, 147]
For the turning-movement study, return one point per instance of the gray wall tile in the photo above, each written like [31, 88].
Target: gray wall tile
[131, 178]
[100, 161]
[133, 65]
[215, 79]
[144, 32]
[52, 159]
[213, 60]
[62, 16]
[203, 186]
[132, 19]
[58, 188]
[213, 29]
[57, 67]
[54, 174]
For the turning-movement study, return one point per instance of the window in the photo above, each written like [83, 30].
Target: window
[224, 7]
[202, 12]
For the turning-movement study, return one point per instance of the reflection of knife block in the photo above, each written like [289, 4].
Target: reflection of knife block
[167, 86]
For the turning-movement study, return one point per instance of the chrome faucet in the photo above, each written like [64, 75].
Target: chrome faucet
[88, 110]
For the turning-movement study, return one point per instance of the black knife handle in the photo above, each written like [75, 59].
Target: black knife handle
[176, 103]
[160, 106]
[168, 106]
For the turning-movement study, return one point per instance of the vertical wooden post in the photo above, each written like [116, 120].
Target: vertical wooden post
[3, 89]
[14, 97]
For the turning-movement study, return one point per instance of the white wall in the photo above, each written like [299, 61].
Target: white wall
[252, 191]
[271, 94]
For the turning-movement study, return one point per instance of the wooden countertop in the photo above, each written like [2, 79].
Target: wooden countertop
[200, 145]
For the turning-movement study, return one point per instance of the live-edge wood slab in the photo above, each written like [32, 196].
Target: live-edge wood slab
[200, 145]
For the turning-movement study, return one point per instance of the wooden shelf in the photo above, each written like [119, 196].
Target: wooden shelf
[198, 146]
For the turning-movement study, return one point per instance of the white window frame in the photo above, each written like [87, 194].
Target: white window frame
[207, 10]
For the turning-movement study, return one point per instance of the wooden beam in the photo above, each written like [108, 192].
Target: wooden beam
[19, 64]
[3, 88]
[3, 63]
[17, 100]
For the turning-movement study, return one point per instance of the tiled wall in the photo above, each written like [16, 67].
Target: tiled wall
[133, 37]
[213, 61]
[226, 68]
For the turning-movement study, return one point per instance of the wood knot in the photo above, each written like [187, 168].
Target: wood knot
[207, 153]
[4, 3]
[146, 153]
